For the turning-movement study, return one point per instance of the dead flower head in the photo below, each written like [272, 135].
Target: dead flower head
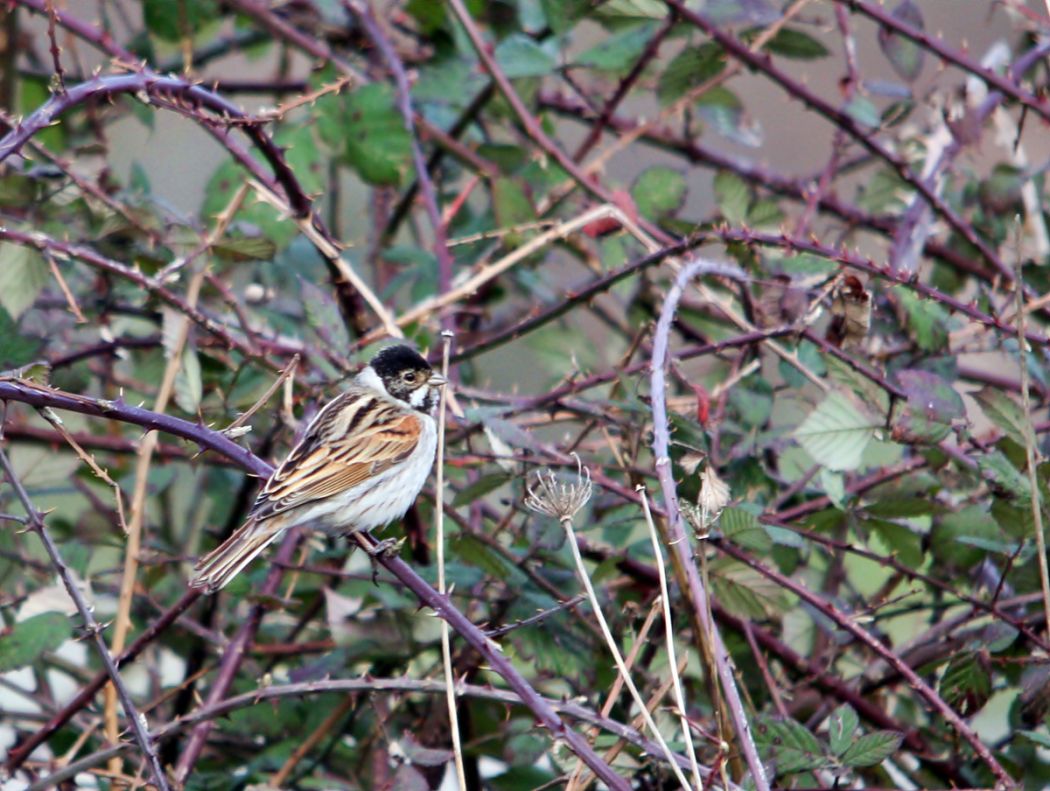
[556, 497]
[714, 497]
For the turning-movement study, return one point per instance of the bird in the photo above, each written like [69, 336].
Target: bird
[360, 464]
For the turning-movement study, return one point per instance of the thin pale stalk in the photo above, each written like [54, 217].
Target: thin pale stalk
[610, 641]
[439, 524]
[665, 601]
[697, 591]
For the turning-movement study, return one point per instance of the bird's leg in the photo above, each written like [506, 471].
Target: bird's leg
[387, 548]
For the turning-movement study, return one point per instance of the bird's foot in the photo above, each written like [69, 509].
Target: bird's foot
[387, 548]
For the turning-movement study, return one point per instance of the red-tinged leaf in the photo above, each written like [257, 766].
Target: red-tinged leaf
[931, 409]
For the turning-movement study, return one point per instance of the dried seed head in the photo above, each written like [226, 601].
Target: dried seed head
[557, 498]
[714, 497]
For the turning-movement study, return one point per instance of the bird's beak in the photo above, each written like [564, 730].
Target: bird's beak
[437, 380]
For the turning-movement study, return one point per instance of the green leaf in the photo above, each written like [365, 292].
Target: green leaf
[15, 350]
[872, 748]
[927, 320]
[189, 387]
[171, 20]
[620, 50]
[222, 185]
[866, 390]
[723, 112]
[520, 56]
[743, 528]
[789, 744]
[480, 487]
[841, 726]
[1000, 471]
[238, 249]
[658, 191]
[1003, 411]
[792, 43]
[905, 55]
[733, 197]
[690, 68]
[966, 684]
[861, 110]
[743, 591]
[366, 126]
[510, 204]
[23, 643]
[904, 542]
[930, 410]
[836, 433]
[23, 273]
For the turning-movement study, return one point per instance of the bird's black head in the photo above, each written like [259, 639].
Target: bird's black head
[407, 376]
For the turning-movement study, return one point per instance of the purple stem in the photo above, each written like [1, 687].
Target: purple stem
[213, 440]
[136, 721]
[763, 63]
[363, 11]
[678, 539]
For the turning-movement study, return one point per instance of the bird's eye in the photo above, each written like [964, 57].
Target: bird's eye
[409, 377]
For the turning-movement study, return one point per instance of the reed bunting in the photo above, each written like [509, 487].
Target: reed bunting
[360, 464]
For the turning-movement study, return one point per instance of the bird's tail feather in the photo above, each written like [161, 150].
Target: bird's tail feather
[225, 562]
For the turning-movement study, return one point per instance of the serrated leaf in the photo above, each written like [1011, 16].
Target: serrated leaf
[872, 748]
[905, 543]
[23, 273]
[1003, 411]
[620, 50]
[743, 591]
[905, 55]
[658, 191]
[743, 528]
[690, 68]
[790, 745]
[24, 642]
[836, 433]
[521, 56]
[841, 726]
[15, 350]
[732, 196]
[366, 126]
[723, 112]
[1000, 471]
[931, 408]
[927, 320]
[481, 487]
[795, 44]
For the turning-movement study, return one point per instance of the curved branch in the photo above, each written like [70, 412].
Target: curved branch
[678, 539]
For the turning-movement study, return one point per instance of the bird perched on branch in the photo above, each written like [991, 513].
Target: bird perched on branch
[360, 464]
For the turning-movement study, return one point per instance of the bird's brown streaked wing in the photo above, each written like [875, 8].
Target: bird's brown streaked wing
[356, 437]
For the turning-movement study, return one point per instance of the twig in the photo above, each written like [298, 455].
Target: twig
[665, 600]
[146, 449]
[1029, 444]
[562, 502]
[677, 536]
[363, 11]
[439, 529]
[351, 686]
[118, 496]
[135, 719]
